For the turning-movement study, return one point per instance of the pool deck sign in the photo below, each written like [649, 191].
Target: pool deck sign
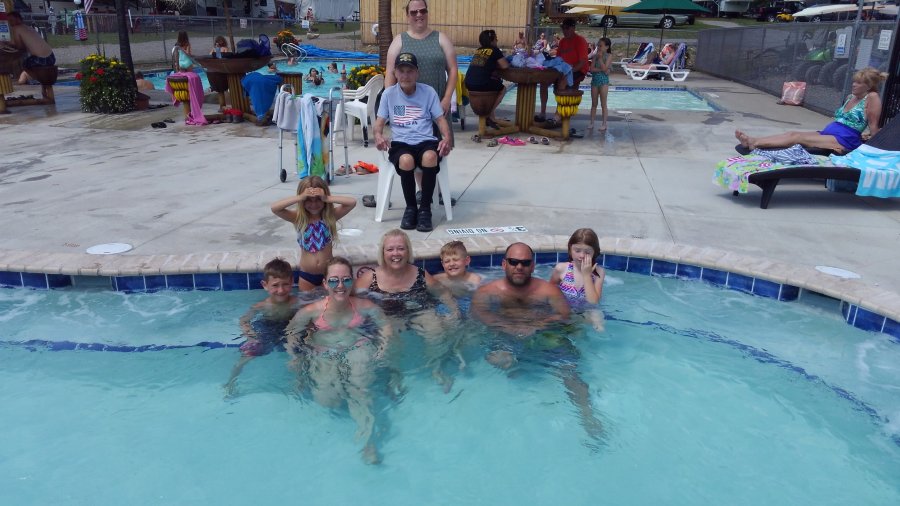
[486, 230]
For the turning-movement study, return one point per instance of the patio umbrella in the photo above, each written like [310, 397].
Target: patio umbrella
[665, 7]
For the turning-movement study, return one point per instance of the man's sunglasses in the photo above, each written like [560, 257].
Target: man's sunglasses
[334, 282]
[515, 262]
[422, 11]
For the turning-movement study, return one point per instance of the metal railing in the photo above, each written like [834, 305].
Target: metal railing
[824, 55]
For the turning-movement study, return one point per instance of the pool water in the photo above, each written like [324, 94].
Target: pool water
[756, 402]
[620, 97]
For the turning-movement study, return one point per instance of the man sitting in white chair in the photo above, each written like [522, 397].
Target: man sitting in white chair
[411, 108]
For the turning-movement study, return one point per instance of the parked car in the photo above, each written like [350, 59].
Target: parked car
[770, 11]
[636, 19]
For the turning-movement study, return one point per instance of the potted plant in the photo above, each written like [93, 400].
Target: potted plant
[106, 85]
[359, 76]
[284, 37]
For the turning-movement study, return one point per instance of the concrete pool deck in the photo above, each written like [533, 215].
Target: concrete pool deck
[196, 199]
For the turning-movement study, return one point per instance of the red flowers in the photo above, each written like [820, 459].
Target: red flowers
[93, 79]
[78, 76]
[99, 72]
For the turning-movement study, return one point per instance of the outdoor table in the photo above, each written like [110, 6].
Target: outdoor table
[235, 69]
[528, 80]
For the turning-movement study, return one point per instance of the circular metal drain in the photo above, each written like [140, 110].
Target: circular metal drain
[838, 272]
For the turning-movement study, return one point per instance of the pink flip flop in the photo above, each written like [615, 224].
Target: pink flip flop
[512, 141]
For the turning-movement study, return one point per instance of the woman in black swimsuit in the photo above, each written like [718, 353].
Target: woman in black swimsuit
[409, 296]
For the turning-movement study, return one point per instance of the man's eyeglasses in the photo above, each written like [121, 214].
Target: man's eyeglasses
[334, 282]
[416, 12]
[515, 262]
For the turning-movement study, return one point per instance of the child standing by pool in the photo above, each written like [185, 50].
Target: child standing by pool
[263, 325]
[581, 279]
[600, 80]
[315, 219]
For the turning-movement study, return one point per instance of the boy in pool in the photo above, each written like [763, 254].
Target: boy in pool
[455, 259]
[263, 325]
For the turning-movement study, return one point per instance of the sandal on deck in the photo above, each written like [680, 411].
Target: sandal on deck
[545, 141]
[492, 143]
[532, 140]
[551, 123]
[368, 200]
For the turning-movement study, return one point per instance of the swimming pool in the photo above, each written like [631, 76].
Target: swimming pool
[707, 396]
[620, 97]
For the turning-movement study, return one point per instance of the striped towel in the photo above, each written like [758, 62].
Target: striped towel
[880, 170]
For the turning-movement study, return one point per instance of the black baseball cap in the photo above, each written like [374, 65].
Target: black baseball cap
[407, 59]
[568, 23]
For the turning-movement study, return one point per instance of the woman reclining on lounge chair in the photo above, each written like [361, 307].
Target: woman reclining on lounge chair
[861, 109]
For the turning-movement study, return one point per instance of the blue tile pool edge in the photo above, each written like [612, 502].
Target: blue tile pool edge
[853, 314]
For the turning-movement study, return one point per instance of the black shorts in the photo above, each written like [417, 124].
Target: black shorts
[492, 85]
[416, 150]
[577, 77]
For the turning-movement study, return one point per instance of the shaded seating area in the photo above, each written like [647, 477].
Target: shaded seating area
[874, 166]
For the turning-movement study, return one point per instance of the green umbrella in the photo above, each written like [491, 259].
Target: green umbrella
[665, 7]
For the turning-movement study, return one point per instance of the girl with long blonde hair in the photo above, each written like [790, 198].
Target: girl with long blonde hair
[315, 218]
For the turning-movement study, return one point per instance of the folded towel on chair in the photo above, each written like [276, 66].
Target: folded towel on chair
[879, 170]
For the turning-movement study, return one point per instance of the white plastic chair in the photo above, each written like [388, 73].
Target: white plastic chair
[364, 111]
[386, 173]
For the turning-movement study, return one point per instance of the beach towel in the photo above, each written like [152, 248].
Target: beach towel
[261, 89]
[195, 92]
[880, 170]
[310, 159]
[734, 173]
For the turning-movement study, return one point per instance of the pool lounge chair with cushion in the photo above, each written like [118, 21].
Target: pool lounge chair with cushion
[640, 56]
[675, 69]
[875, 167]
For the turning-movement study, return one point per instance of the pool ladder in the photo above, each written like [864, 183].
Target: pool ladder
[292, 50]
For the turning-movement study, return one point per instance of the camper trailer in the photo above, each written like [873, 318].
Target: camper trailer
[726, 8]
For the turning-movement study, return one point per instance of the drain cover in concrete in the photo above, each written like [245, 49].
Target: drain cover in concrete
[836, 271]
[109, 249]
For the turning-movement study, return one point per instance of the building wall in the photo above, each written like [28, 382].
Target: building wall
[461, 20]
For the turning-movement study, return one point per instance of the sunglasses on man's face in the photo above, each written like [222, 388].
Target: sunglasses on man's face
[423, 11]
[334, 282]
[515, 262]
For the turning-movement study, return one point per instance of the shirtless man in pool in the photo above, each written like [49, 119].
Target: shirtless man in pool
[526, 312]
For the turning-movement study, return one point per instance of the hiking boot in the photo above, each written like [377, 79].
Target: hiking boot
[409, 219]
[424, 221]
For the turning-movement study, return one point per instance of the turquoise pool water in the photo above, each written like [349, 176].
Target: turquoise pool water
[620, 97]
[754, 402]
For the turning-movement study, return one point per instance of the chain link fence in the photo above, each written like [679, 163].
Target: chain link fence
[152, 37]
[824, 55]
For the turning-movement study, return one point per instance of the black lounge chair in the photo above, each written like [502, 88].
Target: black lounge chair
[888, 139]
[813, 151]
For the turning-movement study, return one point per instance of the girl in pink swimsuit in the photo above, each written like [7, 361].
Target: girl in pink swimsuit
[581, 279]
[315, 218]
[340, 340]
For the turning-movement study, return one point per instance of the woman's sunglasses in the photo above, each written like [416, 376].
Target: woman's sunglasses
[334, 282]
[416, 12]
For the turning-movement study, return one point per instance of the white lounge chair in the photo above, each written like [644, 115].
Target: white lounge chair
[354, 107]
[675, 69]
[640, 56]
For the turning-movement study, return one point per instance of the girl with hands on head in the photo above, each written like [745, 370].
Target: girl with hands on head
[314, 212]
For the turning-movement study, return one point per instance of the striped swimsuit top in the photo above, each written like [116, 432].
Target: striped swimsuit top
[315, 237]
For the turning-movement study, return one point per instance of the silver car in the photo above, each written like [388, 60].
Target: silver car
[636, 19]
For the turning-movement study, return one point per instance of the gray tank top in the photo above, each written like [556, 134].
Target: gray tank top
[432, 64]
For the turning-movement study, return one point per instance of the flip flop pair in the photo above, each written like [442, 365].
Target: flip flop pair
[511, 141]
[158, 124]
[492, 143]
[476, 138]
[532, 140]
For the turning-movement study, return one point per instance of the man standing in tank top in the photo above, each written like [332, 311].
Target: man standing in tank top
[435, 54]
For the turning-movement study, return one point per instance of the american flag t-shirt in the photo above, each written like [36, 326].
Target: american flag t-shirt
[406, 115]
